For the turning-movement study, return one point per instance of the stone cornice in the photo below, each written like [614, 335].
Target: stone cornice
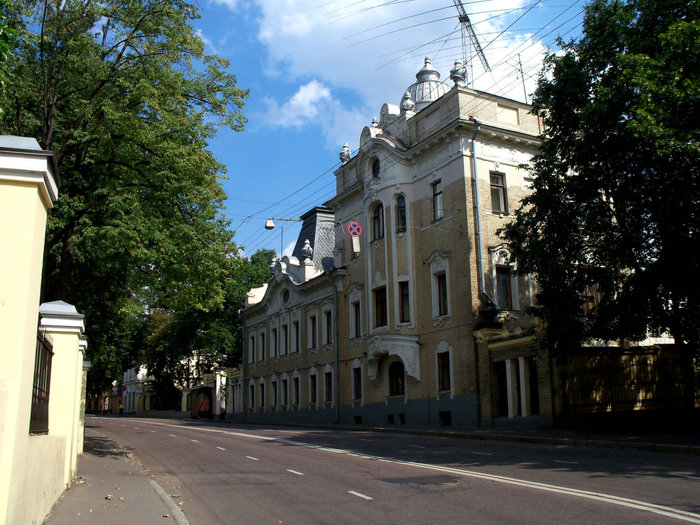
[36, 167]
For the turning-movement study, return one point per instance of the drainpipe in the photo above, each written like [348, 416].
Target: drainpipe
[244, 385]
[479, 259]
[477, 225]
[335, 349]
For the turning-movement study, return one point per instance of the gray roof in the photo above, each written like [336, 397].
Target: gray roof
[318, 227]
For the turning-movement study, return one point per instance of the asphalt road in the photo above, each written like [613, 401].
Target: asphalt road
[238, 474]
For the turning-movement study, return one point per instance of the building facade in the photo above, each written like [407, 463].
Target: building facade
[418, 320]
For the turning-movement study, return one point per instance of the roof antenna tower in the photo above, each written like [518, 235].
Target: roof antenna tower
[472, 43]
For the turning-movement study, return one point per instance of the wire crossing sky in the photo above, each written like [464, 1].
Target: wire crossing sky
[319, 70]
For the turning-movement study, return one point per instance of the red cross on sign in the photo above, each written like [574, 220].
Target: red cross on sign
[354, 229]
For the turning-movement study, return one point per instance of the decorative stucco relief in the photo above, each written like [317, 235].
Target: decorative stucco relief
[405, 347]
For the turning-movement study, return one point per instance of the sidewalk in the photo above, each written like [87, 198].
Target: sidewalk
[112, 489]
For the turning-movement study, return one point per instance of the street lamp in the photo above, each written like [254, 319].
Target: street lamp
[270, 225]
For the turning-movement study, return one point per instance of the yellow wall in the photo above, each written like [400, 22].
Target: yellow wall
[22, 220]
[34, 469]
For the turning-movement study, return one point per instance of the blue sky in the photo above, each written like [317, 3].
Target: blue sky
[319, 70]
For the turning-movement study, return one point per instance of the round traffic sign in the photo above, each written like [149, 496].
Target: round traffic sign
[354, 229]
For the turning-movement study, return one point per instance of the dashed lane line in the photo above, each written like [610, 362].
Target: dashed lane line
[662, 510]
[252, 458]
[295, 472]
[221, 448]
[359, 495]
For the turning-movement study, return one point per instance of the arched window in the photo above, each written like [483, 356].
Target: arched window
[396, 379]
[378, 222]
[400, 214]
[375, 168]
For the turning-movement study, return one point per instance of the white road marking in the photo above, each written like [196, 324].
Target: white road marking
[137, 428]
[359, 495]
[221, 448]
[194, 441]
[565, 462]
[295, 472]
[482, 453]
[153, 431]
[172, 435]
[251, 457]
[662, 510]
[684, 475]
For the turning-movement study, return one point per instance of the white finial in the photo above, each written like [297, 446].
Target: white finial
[345, 153]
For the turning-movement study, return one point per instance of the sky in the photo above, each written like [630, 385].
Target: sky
[318, 71]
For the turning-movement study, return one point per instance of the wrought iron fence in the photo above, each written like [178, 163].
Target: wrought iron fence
[644, 382]
[39, 419]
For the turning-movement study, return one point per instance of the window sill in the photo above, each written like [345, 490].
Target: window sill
[436, 222]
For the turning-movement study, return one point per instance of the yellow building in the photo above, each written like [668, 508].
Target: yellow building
[418, 320]
[42, 377]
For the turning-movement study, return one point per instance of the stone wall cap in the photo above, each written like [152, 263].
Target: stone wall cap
[19, 143]
[59, 309]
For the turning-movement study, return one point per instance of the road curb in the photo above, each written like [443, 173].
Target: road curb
[176, 511]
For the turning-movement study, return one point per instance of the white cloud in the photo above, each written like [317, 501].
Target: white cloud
[302, 108]
[207, 41]
[369, 52]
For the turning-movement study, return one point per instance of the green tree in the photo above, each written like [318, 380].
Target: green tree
[614, 211]
[175, 344]
[125, 96]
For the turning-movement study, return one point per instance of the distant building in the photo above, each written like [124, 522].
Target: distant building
[390, 328]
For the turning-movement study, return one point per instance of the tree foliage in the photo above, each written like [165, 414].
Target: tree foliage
[125, 96]
[614, 211]
[177, 346]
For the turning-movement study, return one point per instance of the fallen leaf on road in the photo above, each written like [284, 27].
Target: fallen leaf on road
[166, 515]
[108, 496]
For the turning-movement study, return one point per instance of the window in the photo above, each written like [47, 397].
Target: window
[437, 200]
[273, 343]
[356, 320]
[295, 334]
[251, 403]
[441, 290]
[285, 393]
[283, 342]
[378, 222]
[443, 371]
[262, 394]
[328, 321]
[39, 417]
[380, 307]
[312, 332]
[375, 168]
[312, 390]
[404, 303]
[251, 350]
[262, 347]
[295, 384]
[328, 377]
[357, 383]
[499, 202]
[504, 298]
[396, 379]
[400, 214]
[273, 401]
